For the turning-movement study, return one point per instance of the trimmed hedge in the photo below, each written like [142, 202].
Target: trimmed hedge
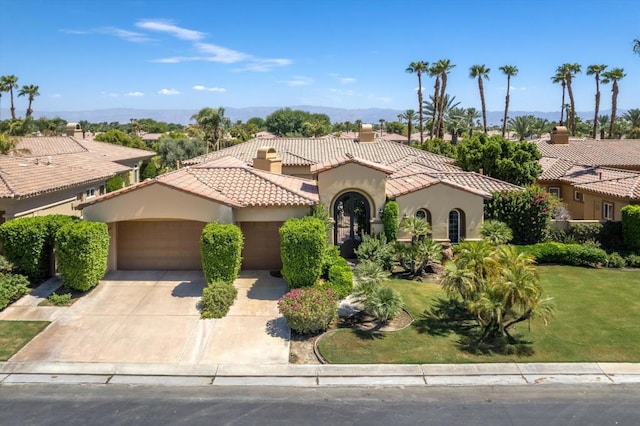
[221, 249]
[12, 287]
[631, 227]
[340, 278]
[28, 243]
[83, 248]
[391, 220]
[302, 245]
[567, 254]
[217, 298]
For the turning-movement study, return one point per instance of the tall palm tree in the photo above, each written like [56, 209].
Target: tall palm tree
[632, 116]
[523, 126]
[31, 91]
[636, 46]
[382, 121]
[410, 116]
[509, 71]
[613, 76]
[596, 70]
[9, 82]
[435, 71]
[603, 122]
[570, 71]
[481, 72]
[418, 68]
[560, 77]
[471, 115]
[211, 121]
[445, 67]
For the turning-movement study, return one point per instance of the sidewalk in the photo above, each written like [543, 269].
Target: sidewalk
[320, 375]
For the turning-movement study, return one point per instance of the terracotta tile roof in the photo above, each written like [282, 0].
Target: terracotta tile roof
[606, 152]
[346, 159]
[403, 183]
[62, 145]
[230, 181]
[553, 168]
[23, 177]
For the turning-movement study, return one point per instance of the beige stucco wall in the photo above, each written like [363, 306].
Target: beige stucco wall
[158, 202]
[298, 171]
[591, 206]
[440, 199]
[269, 214]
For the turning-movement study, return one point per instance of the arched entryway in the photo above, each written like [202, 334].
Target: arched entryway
[351, 212]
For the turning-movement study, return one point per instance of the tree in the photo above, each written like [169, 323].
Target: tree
[31, 91]
[382, 121]
[561, 78]
[289, 122]
[410, 116]
[500, 158]
[84, 125]
[636, 46]
[211, 121]
[445, 66]
[509, 71]
[175, 148]
[417, 256]
[435, 71]
[481, 72]
[523, 125]
[8, 146]
[9, 82]
[418, 68]
[570, 71]
[613, 76]
[633, 117]
[603, 122]
[118, 137]
[596, 70]
[471, 116]
[456, 123]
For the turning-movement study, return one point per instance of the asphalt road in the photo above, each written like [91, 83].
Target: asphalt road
[140, 405]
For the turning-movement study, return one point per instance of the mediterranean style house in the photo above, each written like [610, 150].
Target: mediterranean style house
[263, 182]
[594, 178]
[52, 175]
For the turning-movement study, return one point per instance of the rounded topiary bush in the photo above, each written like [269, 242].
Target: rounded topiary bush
[340, 278]
[221, 249]
[217, 298]
[309, 310]
[302, 248]
[83, 248]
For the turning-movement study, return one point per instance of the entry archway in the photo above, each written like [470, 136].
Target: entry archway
[351, 213]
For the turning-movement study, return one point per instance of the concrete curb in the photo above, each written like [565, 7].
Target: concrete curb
[12, 373]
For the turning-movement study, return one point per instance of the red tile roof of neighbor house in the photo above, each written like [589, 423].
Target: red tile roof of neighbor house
[349, 159]
[230, 181]
[60, 145]
[605, 152]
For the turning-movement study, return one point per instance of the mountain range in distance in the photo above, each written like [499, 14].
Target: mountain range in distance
[183, 116]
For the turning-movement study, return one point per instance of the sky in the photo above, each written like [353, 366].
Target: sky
[190, 54]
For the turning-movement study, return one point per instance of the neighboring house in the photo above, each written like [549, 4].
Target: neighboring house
[261, 183]
[48, 175]
[595, 178]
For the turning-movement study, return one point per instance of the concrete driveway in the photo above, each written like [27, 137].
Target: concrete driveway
[152, 317]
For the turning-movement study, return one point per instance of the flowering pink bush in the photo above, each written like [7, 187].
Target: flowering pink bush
[309, 310]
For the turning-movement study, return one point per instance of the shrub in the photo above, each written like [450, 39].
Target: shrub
[150, 170]
[369, 276]
[384, 303]
[583, 232]
[221, 249]
[114, 183]
[217, 298]
[391, 220]
[319, 211]
[5, 265]
[611, 236]
[12, 287]
[633, 261]
[329, 257]
[302, 244]
[83, 248]
[631, 227]
[340, 278]
[60, 299]
[496, 232]
[376, 249]
[567, 254]
[526, 212]
[309, 310]
[614, 260]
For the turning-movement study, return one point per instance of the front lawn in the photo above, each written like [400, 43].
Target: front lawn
[15, 334]
[597, 318]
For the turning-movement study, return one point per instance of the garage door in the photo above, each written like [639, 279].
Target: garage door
[159, 244]
[261, 245]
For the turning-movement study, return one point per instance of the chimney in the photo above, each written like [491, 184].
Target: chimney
[74, 129]
[366, 134]
[268, 160]
[559, 135]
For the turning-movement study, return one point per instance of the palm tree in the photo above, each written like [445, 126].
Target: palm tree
[382, 121]
[509, 71]
[481, 72]
[633, 117]
[571, 71]
[523, 126]
[596, 70]
[456, 123]
[435, 71]
[603, 122]
[31, 91]
[410, 116]
[446, 104]
[8, 83]
[636, 46]
[471, 115]
[613, 76]
[560, 77]
[418, 68]
[445, 67]
[211, 121]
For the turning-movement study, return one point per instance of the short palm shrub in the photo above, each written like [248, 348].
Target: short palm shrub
[221, 250]
[83, 248]
[309, 310]
[384, 304]
[217, 298]
[12, 287]
[376, 249]
[369, 275]
[496, 232]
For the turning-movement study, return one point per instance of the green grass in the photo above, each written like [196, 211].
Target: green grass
[597, 318]
[15, 334]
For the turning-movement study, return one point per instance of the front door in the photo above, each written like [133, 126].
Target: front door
[351, 213]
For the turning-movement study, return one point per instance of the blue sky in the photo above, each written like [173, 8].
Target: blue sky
[190, 54]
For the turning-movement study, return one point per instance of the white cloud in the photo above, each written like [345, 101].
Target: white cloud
[170, 28]
[56, 95]
[215, 53]
[209, 89]
[124, 34]
[299, 81]
[74, 32]
[168, 92]
[342, 92]
[134, 94]
[264, 65]
[347, 80]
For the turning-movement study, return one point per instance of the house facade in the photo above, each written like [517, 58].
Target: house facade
[261, 183]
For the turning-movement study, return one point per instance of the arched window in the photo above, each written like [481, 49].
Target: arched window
[424, 214]
[457, 227]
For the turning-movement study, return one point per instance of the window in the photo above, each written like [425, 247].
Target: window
[424, 214]
[136, 173]
[101, 190]
[607, 210]
[554, 190]
[454, 226]
[578, 196]
[91, 192]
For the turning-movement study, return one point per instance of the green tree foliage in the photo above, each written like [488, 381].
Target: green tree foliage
[179, 148]
[114, 183]
[391, 220]
[302, 243]
[83, 248]
[376, 249]
[289, 122]
[217, 298]
[118, 137]
[440, 147]
[422, 251]
[321, 212]
[527, 213]
[149, 170]
[340, 278]
[631, 227]
[496, 232]
[221, 249]
[501, 158]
